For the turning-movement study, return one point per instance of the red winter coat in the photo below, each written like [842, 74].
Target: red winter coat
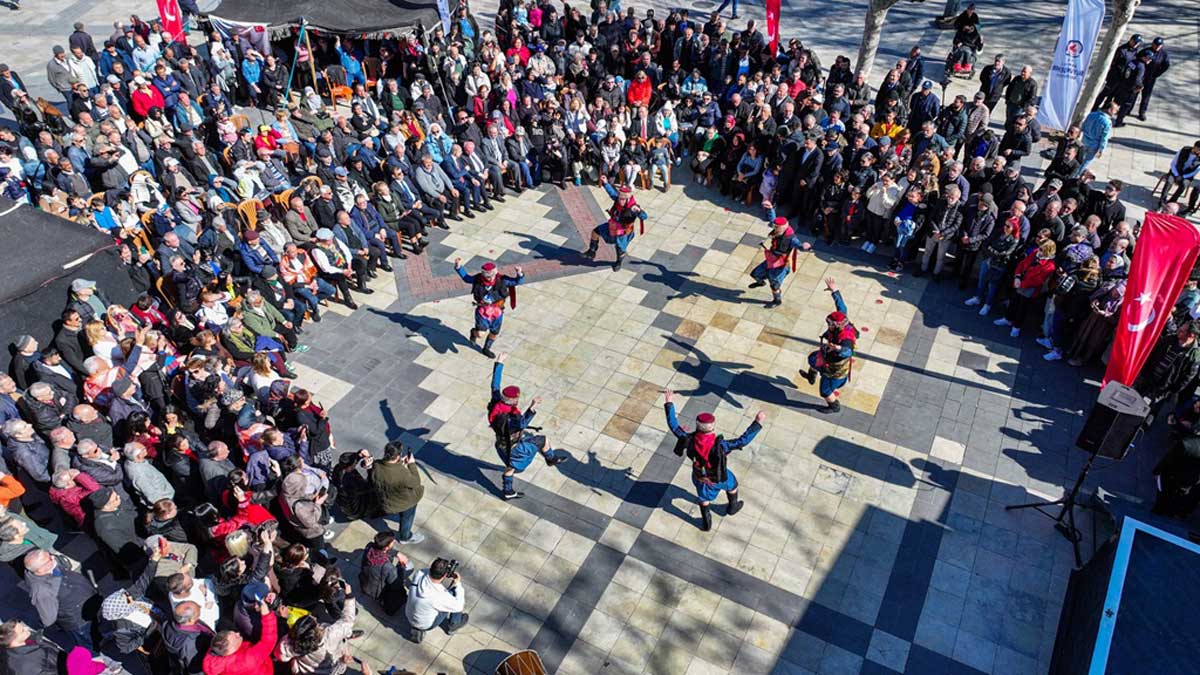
[249, 659]
[1034, 273]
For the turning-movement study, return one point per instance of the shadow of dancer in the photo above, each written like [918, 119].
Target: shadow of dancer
[441, 338]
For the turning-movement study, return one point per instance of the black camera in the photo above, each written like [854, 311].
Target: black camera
[452, 568]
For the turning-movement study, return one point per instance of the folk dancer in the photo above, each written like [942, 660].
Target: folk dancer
[835, 357]
[708, 454]
[514, 444]
[779, 250]
[490, 289]
[618, 230]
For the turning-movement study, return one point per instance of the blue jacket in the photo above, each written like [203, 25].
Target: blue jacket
[252, 70]
[256, 259]
[1097, 129]
[367, 220]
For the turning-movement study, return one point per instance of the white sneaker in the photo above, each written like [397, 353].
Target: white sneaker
[971, 302]
[1015, 332]
[416, 538]
[1045, 342]
[1002, 322]
[983, 311]
[1053, 355]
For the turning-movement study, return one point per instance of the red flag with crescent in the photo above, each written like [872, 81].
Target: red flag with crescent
[1166, 251]
[172, 19]
[773, 25]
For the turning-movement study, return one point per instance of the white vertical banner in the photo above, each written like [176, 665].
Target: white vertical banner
[444, 11]
[1081, 27]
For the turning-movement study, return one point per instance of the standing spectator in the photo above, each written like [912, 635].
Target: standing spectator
[63, 598]
[398, 484]
[1097, 129]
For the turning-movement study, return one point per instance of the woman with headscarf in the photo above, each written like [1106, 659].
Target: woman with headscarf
[1096, 331]
[127, 618]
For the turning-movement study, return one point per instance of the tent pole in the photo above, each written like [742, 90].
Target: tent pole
[287, 95]
[312, 66]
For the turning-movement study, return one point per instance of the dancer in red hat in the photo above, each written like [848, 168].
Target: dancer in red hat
[708, 453]
[618, 230]
[490, 289]
[780, 251]
[514, 444]
[835, 357]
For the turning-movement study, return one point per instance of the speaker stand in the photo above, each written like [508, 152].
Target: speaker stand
[1064, 522]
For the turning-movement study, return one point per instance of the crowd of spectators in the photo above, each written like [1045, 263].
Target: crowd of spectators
[170, 430]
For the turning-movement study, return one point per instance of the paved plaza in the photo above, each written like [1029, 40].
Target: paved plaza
[873, 540]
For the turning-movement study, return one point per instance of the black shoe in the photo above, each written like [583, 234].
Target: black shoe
[352, 304]
[315, 317]
[590, 254]
[290, 374]
[758, 284]
[416, 636]
[617, 264]
[705, 518]
[465, 619]
[442, 224]
[555, 459]
[497, 198]
[512, 494]
[468, 214]
[836, 406]
[809, 375]
[734, 507]
[457, 219]
[1142, 117]
[473, 337]
[488, 353]
[387, 268]
[488, 207]
[773, 303]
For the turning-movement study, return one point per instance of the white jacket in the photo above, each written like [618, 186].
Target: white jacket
[427, 597]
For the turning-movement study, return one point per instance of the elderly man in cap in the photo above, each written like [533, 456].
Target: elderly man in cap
[780, 250]
[61, 73]
[187, 639]
[708, 454]
[514, 444]
[618, 230]
[10, 84]
[489, 290]
[337, 266]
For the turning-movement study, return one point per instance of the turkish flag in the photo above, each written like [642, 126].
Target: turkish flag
[1166, 251]
[773, 25]
[172, 19]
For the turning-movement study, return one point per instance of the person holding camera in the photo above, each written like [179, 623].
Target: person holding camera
[398, 485]
[310, 647]
[437, 598]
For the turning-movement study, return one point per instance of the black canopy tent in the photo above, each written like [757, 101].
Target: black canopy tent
[370, 19]
[40, 254]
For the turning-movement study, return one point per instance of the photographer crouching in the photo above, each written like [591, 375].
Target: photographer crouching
[437, 598]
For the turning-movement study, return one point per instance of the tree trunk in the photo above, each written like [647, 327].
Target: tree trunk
[872, 29]
[1122, 15]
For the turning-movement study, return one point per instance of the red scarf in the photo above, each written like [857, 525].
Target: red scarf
[502, 408]
[703, 445]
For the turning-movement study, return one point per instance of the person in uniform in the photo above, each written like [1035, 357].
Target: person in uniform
[490, 289]
[835, 357]
[514, 444]
[780, 250]
[708, 453]
[618, 230]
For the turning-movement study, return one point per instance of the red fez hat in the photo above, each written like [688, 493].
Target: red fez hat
[705, 418]
[489, 266]
[780, 221]
[625, 189]
[836, 317]
[511, 392]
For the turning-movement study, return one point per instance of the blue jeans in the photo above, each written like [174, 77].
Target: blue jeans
[405, 520]
[725, 3]
[448, 621]
[1086, 155]
[987, 288]
[526, 175]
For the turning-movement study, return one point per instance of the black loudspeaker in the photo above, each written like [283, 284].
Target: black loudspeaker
[1113, 422]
